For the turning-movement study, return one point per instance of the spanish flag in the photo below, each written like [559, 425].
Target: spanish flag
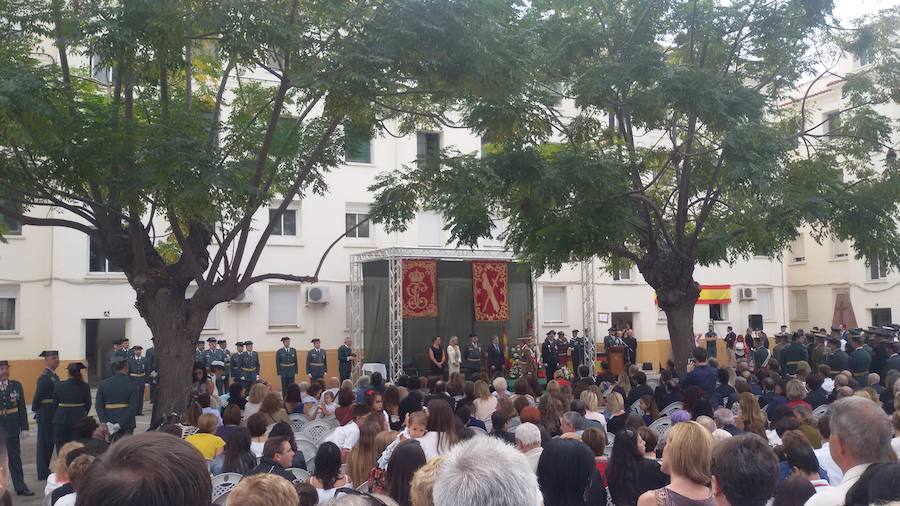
[710, 294]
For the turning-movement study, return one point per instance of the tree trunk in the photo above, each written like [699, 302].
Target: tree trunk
[680, 322]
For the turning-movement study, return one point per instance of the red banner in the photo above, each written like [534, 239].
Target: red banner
[419, 288]
[491, 289]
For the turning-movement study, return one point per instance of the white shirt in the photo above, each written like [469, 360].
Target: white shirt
[828, 385]
[346, 436]
[895, 444]
[51, 485]
[821, 485]
[533, 456]
[257, 448]
[835, 496]
[596, 416]
[429, 443]
[66, 500]
[823, 454]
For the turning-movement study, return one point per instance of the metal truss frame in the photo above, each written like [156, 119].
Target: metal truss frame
[588, 310]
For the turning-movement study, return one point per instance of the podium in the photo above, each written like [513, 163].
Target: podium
[615, 355]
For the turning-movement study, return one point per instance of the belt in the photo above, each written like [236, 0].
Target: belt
[859, 373]
[795, 362]
[46, 401]
[71, 405]
[136, 374]
[287, 365]
[10, 411]
[316, 364]
[248, 369]
[116, 406]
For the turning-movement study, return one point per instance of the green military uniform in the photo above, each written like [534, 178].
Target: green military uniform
[250, 366]
[14, 419]
[237, 362]
[42, 407]
[286, 364]
[345, 361]
[316, 362]
[761, 356]
[72, 400]
[117, 402]
[226, 359]
[150, 369]
[109, 355]
[893, 362]
[200, 356]
[838, 360]
[859, 363]
[137, 370]
[791, 355]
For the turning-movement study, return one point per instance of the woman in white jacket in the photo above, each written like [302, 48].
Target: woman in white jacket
[454, 356]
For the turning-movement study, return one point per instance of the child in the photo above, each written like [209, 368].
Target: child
[416, 428]
[328, 406]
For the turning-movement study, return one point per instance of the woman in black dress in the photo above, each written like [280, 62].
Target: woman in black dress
[436, 357]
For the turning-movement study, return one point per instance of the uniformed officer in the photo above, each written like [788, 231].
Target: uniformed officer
[860, 360]
[549, 355]
[237, 361]
[893, 361]
[137, 369]
[14, 419]
[152, 374]
[215, 354]
[345, 358]
[472, 356]
[577, 343]
[250, 366]
[200, 354]
[837, 358]
[226, 359]
[72, 399]
[761, 354]
[42, 407]
[562, 349]
[117, 401]
[125, 348]
[316, 364]
[211, 353]
[286, 363]
[792, 354]
[109, 355]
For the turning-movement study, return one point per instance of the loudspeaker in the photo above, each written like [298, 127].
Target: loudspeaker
[755, 321]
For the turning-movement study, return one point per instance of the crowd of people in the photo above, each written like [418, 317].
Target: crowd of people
[743, 434]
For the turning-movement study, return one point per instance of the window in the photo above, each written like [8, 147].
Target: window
[764, 302]
[881, 316]
[622, 274]
[286, 224]
[428, 145]
[358, 147]
[797, 253]
[430, 227]
[799, 305]
[878, 269]
[12, 225]
[864, 55]
[212, 319]
[9, 296]
[839, 249]
[718, 312]
[554, 304]
[357, 215]
[832, 122]
[98, 261]
[284, 305]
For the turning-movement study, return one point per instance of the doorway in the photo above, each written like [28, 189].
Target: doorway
[99, 336]
[622, 321]
[881, 316]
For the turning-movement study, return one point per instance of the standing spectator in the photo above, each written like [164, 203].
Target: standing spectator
[205, 440]
[158, 469]
[793, 491]
[565, 472]
[263, 490]
[860, 436]
[406, 459]
[702, 375]
[628, 473]
[454, 356]
[528, 441]
[277, 457]
[464, 479]
[237, 457]
[327, 476]
[686, 458]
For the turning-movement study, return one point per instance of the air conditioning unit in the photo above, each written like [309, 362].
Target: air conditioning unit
[747, 293]
[245, 297]
[317, 295]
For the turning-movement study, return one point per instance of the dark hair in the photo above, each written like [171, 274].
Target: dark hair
[391, 396]
[722, 376]
[283, 429]
[464, 412]
[314, 389]
[406, 459]
[345, 397]
[204, 400]
[699, 354]
[292, 394]
[275, 445]
[237, 457]
[442, 421]
[376, 380]
[535, 386]
[578, 406]
[793, 491]
[371, 395]
[147, 461]
[235, 391]
[498, 421]
[257, 424]
[653, 409]
[650, 437]
[622, 469]
[803, 458]
[564, 472]
[410, 404]
[692, 396]
[85, 427]
[328, 464]
[231, 415]
[634, 421]
[824, 427]
[745, 468]
[814, 381]
[361, 410]
[785, 423]
[595, 439]
[640, 378]
[306, 493]
[585, 371]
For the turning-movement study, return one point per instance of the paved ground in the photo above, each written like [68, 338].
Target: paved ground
[29, 448]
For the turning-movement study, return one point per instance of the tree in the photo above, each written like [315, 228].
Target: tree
[689, 144]
[164, 145]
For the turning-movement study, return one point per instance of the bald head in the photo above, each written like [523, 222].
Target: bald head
[841, 380]
[844, 392]
[874, 379]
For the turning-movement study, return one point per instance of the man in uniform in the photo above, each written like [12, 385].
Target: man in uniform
[250, 365]
[124, 348]
[730, 339]
[549, 355]
[138, 372]
[345, 358]
[761, 354]
[200, 353]
[237, 361]
[316, 364]
[72, 401]
[286, 363]
[859, 361]
[792, 354]
[711, 338]
[578, 344]
[109, 355]
[496, 358]
[562, 349]
[42, 407]
[14, 419]
[152, 374]
[631, 346]
[226, 360]
[837, 358]
[881, 350]
[211, 353]
[472, 355]
[893, 362]
[117, 401]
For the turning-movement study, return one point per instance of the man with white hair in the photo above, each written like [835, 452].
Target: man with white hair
[860, 436]
[487, 472]
[501, 389]
[528, 441]
[725, 421]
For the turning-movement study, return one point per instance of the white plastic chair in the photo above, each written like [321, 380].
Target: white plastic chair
[308, 449]
[671, 408]
[364, 488]
[188, 430]
[820, 411]
[298, 420]
[332, 421]
[478, 430]
[299, 474]
[661, 426]
[222, 485]
[636, 407]
[316, 431]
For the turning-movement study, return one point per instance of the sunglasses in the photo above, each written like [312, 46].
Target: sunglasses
[367, 495]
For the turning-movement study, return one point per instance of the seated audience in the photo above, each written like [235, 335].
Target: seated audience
[263, 490]
[570, 425]
[794, 491]
[686, 458]
[618, 415]
[500, 428]
[257, 394]
[629, 473]
[803, 462]
[237, 457]
[205, 440]
[406, 459]
[257, 426]
[231, 421]
[60, 476]
[363, 458]
[528, 441]
[283, 429]
[78, 462]
[273, 409]
[879, 485]
[595, 439]
[421, 489]
[327, 476]
[485, 404]
[565, 474]
[277, 457]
